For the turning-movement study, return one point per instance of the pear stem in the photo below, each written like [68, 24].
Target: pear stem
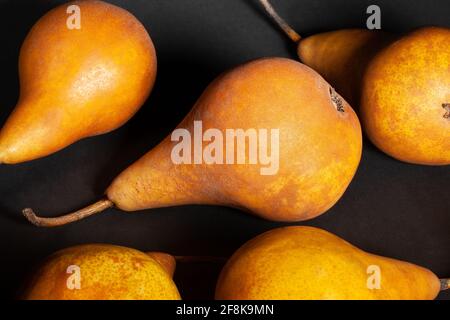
[445, 284]
[97, 207]
[200, 259]
[291, 33]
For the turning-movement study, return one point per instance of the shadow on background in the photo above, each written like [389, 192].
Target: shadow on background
[390, 208]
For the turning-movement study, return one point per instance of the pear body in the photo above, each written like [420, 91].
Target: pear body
[399, 85]
[76, 83]
[342, 56]
[319, 147]
[305, 263]
[405, 105]
[106, 272]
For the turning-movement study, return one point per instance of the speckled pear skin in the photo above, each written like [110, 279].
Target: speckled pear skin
[342, 56]
[320, 147]
[77, 83]
[400, 86]
[405, 90]
[305, 263]
[107, 273]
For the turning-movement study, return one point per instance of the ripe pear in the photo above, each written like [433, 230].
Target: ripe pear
[306, 263]
[104, 272]
[400, 84]
[319, 146]
[77, 83]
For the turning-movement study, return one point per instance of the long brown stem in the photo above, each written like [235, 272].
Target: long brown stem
[200, 259]
[97, 207]
[445, 284]
[291, 33]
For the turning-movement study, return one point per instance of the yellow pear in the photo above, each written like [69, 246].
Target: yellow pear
[103, 272]
[78, 78]
[399, 83]
[305, 263]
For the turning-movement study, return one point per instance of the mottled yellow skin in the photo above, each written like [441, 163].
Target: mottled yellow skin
[320, 148]
[398, 84]
[305, 263]
[77, 83]
[107, 273]
[404, 90]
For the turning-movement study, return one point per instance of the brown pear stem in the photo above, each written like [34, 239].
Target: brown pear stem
[97, 207]
[291, 33]
[445, 284]
[200, 259]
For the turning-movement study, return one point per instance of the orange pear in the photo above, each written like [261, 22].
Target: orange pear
[77, 79]
[305, 263]
[103, 272]
[311, 133]
[400, 84]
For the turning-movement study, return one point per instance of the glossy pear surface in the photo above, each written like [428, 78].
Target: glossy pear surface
[76, 83]
[106, 272]
[307, 263]
[319, 145]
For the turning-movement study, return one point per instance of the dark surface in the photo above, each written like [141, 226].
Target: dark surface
[391, 208]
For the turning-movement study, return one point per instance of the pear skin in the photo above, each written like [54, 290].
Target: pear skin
[167, 261]
[305, 263]
[405, 105]
[400, 84]
[106, 272]
[319, 146]
[76, 83]
[342, 56]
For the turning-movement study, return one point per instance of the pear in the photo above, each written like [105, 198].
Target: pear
[103, 272]
[319, 147]
[399, 83]
[77, 82]
[306, 263]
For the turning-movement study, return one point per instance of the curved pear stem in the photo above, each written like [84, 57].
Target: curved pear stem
[200, 259]
[445, 284]
[97, 207]
[291, 33]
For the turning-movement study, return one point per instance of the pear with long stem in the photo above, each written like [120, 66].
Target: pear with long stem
[399, 83]
[312, 140]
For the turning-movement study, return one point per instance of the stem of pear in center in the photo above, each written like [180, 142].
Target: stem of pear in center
[291, 33]
[95, 208]
[200, 259]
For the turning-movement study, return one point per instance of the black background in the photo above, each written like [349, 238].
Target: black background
[391, 208]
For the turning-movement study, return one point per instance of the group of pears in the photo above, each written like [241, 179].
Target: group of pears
[87, 81]
[287, 263]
